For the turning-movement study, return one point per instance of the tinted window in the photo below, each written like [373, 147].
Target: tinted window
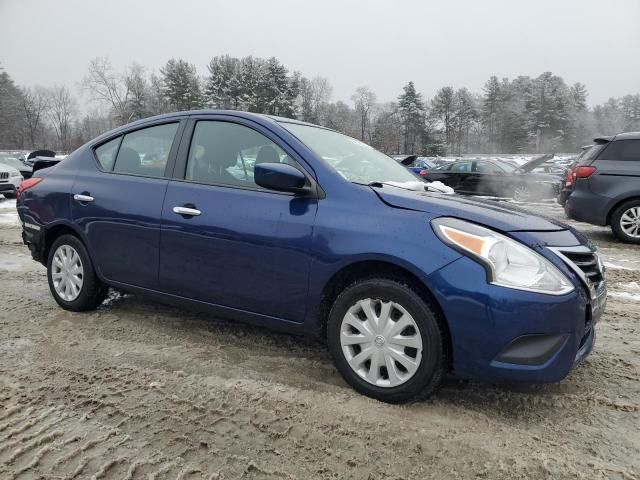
[489, 168]
[106, 153]
[461, 167]
[224, 153]
[145, 152]
[591, 154]
[621, 150]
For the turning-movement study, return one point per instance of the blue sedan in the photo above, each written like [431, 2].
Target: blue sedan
[296, 227]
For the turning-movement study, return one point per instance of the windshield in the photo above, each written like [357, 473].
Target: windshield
[354, 160]
[13, 162]
[509, 167]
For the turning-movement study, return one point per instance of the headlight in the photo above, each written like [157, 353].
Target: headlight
[508, 263]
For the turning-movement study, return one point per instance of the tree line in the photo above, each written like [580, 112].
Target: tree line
[524, 114]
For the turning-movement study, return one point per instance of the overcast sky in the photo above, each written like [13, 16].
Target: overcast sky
[381, 43]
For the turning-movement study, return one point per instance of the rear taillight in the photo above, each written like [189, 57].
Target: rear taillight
[584, 172]
[422, 173]
[26, 185]
[569, 179]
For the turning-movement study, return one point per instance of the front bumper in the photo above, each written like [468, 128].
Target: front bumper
[501, 334]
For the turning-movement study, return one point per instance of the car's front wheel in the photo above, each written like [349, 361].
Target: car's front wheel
[72, 279]
[522, 193]
[386, 341]
[625, 222]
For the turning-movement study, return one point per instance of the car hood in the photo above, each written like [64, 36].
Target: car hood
[535, 162]
[8, 168]
[496, 215]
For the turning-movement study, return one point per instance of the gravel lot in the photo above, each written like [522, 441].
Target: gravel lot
[141, 390]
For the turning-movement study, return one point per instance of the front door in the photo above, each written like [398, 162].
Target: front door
[227, 241]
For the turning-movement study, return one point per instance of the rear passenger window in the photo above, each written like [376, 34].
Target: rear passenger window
[461, 167]
[621, 150]
[106, 153]
[145, 152]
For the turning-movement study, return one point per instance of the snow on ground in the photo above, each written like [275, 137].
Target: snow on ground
[8, 212]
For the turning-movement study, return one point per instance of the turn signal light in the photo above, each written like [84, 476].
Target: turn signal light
[585, 172]
[26, 185]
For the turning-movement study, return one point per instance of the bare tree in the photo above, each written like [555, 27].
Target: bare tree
[35, 104]
[63, 108]
[105, 86]
[363, 99]
[139, 90]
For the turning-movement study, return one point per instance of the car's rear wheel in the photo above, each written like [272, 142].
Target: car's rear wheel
[386, 341]
[625, 222]
[72, 279]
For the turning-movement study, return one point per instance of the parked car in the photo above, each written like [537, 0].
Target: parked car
[10, 179]
[403, 284]
[24, 169]
[606, 187]
[30, 157]
[418, 165]
[497, 178]
[569, 176]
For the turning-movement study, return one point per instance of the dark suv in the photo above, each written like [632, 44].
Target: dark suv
[606, 190]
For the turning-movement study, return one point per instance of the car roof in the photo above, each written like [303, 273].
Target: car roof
[620, 136]
[212, 111]
[628, 136]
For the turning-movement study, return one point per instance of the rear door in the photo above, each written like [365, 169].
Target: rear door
[117, 202]
[239, 245]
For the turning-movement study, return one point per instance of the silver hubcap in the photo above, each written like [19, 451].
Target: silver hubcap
[521, 193]
[67, 273]
[381, 342]
[630, 222]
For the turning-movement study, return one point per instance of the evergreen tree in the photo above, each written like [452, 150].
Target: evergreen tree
[442, 108]
[412, 113]
[224, 88]
[181, 86]
[491, 108]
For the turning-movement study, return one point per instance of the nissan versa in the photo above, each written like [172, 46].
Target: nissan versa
[293, 226]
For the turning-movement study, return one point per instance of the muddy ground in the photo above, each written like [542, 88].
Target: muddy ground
[141, 390]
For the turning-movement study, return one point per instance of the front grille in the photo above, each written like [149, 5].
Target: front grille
[587, 262]
[4, 175]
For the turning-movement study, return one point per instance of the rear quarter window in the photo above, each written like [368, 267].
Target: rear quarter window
[621, 150]
[106, 153]
[590, 155]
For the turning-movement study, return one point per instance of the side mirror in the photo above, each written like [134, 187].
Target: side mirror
[280, 177]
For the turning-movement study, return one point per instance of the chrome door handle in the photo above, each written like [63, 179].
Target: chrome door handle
[82, 198]
[191, 212]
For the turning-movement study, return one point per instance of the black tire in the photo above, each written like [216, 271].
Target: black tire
[93, 291]
[427, 377]
[616, 226]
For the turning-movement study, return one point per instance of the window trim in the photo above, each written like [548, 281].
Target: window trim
[180, 167]
[173, 151]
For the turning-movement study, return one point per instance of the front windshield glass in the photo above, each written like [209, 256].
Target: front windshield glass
[354, 160]
[509, 167]
[13, 162]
